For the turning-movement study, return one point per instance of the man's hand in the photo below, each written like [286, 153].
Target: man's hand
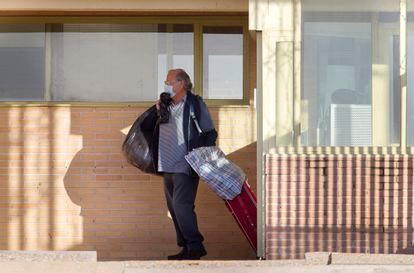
[157, 104]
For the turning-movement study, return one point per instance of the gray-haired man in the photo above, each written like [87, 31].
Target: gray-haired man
[175, 139]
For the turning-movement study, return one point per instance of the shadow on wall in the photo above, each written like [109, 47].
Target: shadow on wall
[123, 210]
[34, 213]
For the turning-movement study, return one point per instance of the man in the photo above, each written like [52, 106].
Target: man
[173, 140]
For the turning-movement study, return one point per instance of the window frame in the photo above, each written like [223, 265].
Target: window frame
[198, 23]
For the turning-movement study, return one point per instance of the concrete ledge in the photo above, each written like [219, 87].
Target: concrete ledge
[212, 265]
[62, 267]
[48, 256]
[318, 258]
[371, 259]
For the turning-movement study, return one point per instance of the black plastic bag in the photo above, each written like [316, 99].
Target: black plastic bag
[137, 146]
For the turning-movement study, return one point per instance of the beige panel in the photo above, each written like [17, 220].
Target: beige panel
[268, 98]
[284, 93]
[275, 14]
[257, 12]
[380, 100]
[277, 74]
[158, 5]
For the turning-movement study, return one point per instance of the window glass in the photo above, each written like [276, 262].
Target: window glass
[410, 73]
[349, 56]
[223, 62]
[22, 62]
[117, 62]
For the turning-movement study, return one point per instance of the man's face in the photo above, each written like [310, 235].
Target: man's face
[178, 86]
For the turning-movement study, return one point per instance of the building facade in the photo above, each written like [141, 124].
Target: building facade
[312, 98]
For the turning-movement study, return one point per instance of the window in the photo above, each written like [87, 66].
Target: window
[223, 62]
[117, 62]
[22, 62]
[124, 61]
[350, 73]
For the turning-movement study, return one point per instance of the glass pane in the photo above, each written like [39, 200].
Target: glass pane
[410, 73]
[117, 62]
[22, 62]
[350, 56]
[223, 62]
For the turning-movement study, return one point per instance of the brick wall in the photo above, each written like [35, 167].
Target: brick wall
[339, 203]
[64, 185]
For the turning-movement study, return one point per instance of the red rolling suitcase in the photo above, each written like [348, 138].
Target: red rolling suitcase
[244, 210]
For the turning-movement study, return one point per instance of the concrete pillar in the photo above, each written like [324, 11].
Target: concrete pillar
[278, 74]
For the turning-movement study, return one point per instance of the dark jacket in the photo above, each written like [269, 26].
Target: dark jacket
[192, 137]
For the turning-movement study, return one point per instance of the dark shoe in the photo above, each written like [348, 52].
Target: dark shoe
[178, 256]
[194, 254]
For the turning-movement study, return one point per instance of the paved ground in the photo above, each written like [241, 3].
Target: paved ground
[201, 267]
[85, 262]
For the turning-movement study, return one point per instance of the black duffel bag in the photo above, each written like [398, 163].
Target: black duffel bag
[137, 145]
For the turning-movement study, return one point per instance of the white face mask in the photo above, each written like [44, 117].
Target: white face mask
[169, 89]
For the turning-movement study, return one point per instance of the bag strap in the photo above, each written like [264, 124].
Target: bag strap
[192, 115]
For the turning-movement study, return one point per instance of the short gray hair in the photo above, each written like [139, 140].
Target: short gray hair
[181, 75]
